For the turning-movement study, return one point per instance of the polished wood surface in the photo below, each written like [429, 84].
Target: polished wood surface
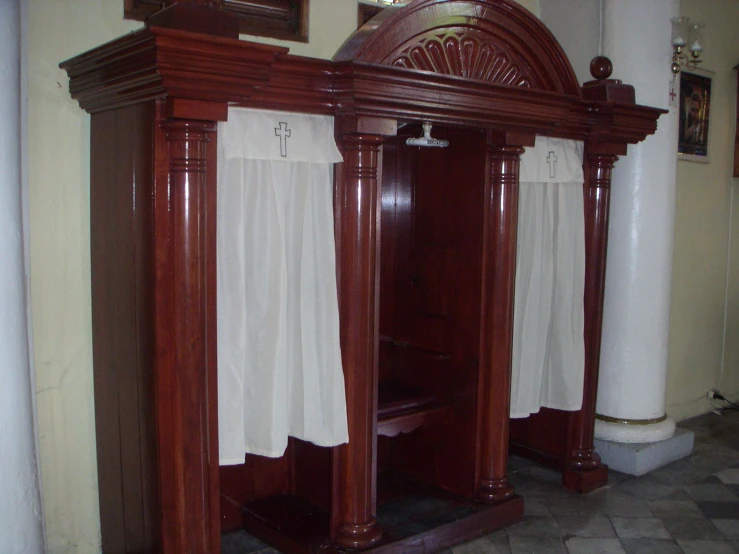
[356, 212]
[187, 425]
[596, 192]
[425, 269]
[122, 279]
[496, 324]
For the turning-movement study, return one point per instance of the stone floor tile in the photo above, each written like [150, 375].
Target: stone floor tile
[729, 476]
[484, 545]
[535, 545]
[578, 545]
[516, 463]
[692, 528]
[675, 508]
[536, 506]
[640, 528]
[706, 547]
[544, 474]
[647, 488]
[711, 493]
[593, 526]
[714, 457]
[241, 542]
[681, 473]
[728, 527]
[720, 510]
[651, 546]
[575, 505]
[679, 495]
[622, 505]
[540, 527]
[526, 485]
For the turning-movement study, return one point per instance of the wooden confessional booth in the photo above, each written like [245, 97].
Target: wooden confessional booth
[426, 246]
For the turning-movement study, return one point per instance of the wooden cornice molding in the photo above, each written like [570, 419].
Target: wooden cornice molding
[385, 91]
[194, 71]
[296, 82]
[157, 62]
[614, 122]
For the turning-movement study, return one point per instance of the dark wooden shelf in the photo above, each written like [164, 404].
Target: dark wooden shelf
[402, 409]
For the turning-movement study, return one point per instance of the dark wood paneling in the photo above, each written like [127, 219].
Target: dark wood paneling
[430, 296]
[123, 336]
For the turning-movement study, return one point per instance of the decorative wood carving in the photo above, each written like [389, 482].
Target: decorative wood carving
[499, 29]
[459, 52]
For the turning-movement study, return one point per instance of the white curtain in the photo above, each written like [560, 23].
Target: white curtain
[548, 345]
[279, 362]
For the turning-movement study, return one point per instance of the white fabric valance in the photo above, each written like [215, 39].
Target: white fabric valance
[548, 345]
[278, 136]
[279, 360]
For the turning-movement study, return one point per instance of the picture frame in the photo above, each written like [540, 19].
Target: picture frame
[695, 115]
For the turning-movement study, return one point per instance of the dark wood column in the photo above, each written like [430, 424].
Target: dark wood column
[357, 219]
[184, 233]
[496, 325]
[584, 471]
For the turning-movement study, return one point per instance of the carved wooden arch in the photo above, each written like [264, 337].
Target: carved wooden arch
[495, 41]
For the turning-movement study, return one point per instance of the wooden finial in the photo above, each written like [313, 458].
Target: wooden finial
[601, 68]
[604, 89]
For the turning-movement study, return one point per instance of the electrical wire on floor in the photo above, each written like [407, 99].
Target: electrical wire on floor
[722, 398]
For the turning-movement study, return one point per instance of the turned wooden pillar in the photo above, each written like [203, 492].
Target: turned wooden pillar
[357, 220]
[184, 232]
[584, 470]
[496, 325]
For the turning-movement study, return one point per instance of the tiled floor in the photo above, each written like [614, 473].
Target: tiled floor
[690, 506]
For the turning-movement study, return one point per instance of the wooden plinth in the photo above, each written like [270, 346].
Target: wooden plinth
[585, 481]
[294, 526]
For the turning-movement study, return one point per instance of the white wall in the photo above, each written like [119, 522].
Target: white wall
[20, 510]
[701, 355]
[576, 25]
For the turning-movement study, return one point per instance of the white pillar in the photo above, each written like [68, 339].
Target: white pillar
[633, 362]
[20, 511]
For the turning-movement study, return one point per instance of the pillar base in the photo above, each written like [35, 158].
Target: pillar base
[358, 536]
[494, 492]
[638, 459]
[585, 481]
[633, 433]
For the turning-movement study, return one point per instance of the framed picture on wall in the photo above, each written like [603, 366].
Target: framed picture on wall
[695, 115]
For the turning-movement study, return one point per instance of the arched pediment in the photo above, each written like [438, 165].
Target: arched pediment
[496, 41]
